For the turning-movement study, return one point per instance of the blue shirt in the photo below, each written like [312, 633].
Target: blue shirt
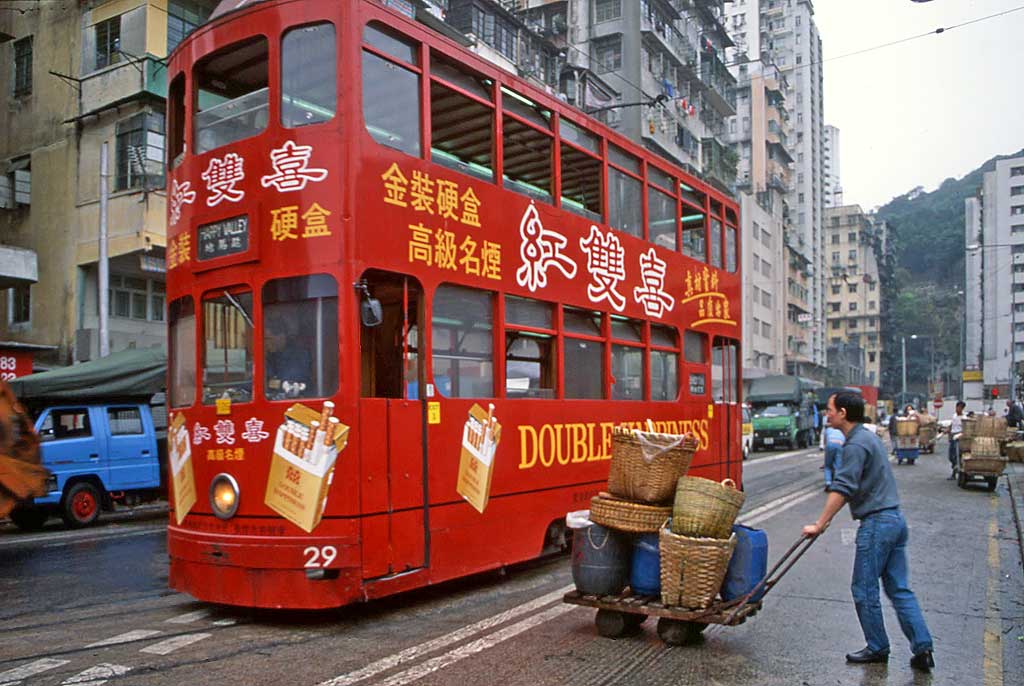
[864, 476]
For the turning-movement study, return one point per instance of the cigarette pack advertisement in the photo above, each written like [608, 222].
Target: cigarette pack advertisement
[480, 438]
[306, 449]
[179, 451]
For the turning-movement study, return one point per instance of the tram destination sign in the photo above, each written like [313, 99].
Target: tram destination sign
[226, 237]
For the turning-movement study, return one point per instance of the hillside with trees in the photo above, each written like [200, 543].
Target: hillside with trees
[927, 233]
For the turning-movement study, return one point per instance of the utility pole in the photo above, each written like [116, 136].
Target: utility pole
[104, 266]
[963, 341]
[903, 394]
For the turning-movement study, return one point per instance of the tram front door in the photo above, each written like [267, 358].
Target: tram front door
[391, 432]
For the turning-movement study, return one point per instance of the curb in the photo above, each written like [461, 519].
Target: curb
[1015, 482]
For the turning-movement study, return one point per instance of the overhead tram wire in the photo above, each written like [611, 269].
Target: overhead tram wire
[798, 67]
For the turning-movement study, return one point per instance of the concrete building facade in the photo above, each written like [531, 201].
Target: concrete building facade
[78, 76]
[833, 187]
[994, 242]
[854, 296]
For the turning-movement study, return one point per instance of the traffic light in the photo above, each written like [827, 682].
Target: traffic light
[995, 392]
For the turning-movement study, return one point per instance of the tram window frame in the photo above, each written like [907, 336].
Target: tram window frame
[181, 344]
[583, 329]
[580, 164]
[667, 352]
[327, 102]
[248, 112]
[527, 125]
[695, 362]
[176, 121]
[478, 320]
[628, 344]
[731, 261]
[662, 208]
[385, 48]
[284, 308]
[238, 294]
[463, 91]
[536, 326]
[715, 244]
[625, 192]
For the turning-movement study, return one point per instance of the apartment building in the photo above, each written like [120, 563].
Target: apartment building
[833, 187]
[994, 282]
[855, 293]
[78, 77]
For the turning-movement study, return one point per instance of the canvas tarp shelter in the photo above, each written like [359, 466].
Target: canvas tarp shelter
[121, 374]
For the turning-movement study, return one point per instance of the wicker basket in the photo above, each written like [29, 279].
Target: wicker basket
[706, 508]
[990, 426]
[692, 569]
[625, 516]
[985, 446]
[646, 466]
[907, 426]
[990, 464]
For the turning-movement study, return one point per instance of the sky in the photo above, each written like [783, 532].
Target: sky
[917, 113]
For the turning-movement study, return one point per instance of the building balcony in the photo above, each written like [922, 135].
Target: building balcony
[778, 183]
[773, 9]
[130, 78]
[18, 266]
[719, 83]
[719, 162]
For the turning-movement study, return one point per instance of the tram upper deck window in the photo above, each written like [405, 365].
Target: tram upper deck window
[227, 346]
[581, 171]
[693, 221]
[176, 121]
[625, 192]
[181, 330]
[527, 145]
[309, 79]
[461, 126]
[300, 337]
[391, 90]
[231, 94]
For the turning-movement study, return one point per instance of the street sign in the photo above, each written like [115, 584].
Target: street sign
[804, 318]
[937, 403]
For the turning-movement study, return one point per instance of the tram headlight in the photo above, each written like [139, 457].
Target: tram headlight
[224, 496]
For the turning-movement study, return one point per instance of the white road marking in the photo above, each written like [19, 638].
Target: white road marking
[792, 502]
[225, 622]
[11, 676]
[71, 537]
[778, 502]
[774, 458]
[189, 617]
[126, 637]
[465, 632]
[96, 676]
[462, 652]
[171, 644]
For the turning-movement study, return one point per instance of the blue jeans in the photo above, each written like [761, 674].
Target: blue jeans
[954, 452]
[882, 553]
[833, 460]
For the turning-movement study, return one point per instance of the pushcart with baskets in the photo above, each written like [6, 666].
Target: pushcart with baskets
[624, 613]
[908, 446]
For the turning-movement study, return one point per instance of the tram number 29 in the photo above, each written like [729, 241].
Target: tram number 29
[318, 557]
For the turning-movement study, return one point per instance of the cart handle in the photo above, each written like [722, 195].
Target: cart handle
[771, 578]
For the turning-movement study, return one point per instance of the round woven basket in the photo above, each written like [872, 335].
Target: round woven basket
[692, 569]
[706, 508]
[627, 516]
[646, 466]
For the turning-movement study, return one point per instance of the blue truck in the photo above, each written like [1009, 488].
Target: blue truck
[101, 445]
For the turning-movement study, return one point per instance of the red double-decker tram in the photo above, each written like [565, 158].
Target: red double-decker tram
[410, 297]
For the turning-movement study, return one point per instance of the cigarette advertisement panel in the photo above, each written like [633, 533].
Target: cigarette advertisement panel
[480, 437]
[179, 450]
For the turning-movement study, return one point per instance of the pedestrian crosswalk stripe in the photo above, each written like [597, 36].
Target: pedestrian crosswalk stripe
[126, 637]
[96, 676]
[13, 676]
[224, 622]
[173, 643]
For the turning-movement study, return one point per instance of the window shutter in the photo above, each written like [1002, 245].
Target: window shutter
[6, 193]
[23, 187]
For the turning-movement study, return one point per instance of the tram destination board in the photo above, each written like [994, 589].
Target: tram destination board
[226, 237]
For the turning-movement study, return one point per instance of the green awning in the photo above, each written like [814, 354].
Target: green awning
[122, 374]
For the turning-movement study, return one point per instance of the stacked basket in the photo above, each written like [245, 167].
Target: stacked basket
[697, 543]
[642, 477]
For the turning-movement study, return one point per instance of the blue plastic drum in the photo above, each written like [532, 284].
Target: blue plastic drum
[645, 572]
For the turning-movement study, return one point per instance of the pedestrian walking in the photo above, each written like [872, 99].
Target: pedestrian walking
[956, 428]
[1013, 414]
[865, 482]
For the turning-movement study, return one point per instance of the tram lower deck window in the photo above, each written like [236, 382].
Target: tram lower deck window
[227, 346]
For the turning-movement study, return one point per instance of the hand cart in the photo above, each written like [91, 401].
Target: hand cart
[986, 467]
[907, 448]
[622, 615]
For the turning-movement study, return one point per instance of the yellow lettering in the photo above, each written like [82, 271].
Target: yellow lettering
[580, 451]
[560, 455]
[527, 431]
[606, 441]
[547, 457]
[705, 439]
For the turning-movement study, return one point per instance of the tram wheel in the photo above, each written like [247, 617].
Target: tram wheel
[612, 624]
[677, 632]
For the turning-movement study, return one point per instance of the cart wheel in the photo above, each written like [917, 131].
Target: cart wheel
[961, 479]
[911, 462]
[612, 624]
[992, 482]
[634, 621]
[899, 460]
[676, 632]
